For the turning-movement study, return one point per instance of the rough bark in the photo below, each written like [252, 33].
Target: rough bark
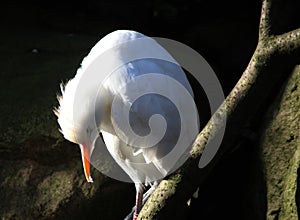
[238, 111]
[279, 150]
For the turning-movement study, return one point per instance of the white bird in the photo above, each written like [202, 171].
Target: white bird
[76, 111]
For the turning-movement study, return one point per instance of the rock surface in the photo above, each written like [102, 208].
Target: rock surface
[280, 152]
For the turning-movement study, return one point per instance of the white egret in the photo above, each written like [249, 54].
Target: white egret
[76, 111]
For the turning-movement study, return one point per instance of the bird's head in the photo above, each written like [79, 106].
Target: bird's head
[78, 128]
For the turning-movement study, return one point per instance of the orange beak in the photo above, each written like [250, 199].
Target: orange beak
[85, 154]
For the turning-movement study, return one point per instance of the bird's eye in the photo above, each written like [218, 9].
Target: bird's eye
[89, 130]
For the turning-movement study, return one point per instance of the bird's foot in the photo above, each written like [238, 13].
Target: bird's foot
[131, 214]
[135, 215]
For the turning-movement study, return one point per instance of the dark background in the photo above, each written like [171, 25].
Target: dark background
[224, 32]
[43, 42]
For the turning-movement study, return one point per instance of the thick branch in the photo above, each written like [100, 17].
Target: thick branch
[238, 109]
[287, 43]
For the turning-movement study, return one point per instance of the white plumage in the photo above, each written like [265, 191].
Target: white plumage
[77, 117]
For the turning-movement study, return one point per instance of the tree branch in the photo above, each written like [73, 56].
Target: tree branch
[287, 43]
[237, 110]
[264, 25]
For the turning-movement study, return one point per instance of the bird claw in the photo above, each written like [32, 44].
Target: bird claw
[130, 215]
[135, 215]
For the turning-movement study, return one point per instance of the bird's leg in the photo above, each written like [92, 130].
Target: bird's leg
[145, 197]
[150, 191]
[139, 199]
